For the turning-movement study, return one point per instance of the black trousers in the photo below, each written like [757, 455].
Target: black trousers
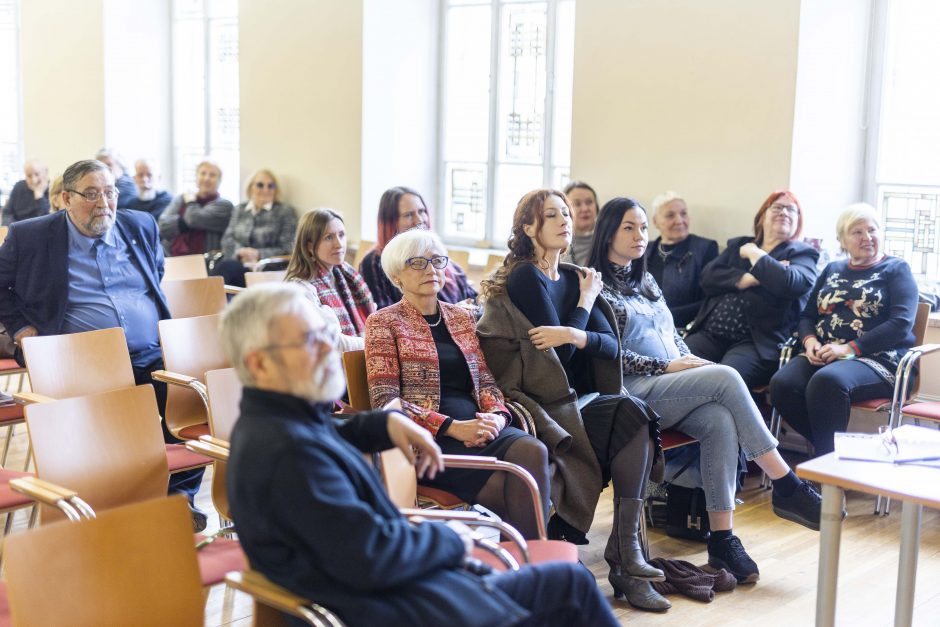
[742, 356]
[817, 400]
[188, 481]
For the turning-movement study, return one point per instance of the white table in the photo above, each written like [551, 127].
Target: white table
[914, 486]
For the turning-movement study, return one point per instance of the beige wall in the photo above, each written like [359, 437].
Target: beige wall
[63, 74]
[710, 114]
[300, 81]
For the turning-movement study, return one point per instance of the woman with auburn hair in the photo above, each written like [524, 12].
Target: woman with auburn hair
[260, 228]
[552, 346]
[426, 354]
[317, 264]
[754, 292]
[401, 209]
[704, 400]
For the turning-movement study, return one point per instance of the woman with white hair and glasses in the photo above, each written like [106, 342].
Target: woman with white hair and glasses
[854, 330]
[676, 257]
[425, 352]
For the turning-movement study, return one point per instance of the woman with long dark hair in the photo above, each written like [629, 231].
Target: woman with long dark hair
[551, 344]
[401, 209]
[704, 400]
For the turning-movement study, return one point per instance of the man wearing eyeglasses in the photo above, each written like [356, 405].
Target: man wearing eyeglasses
[87, 268]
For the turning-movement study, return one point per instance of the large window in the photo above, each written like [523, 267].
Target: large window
[205, 91]
[907, 172]
[11, 137]
[506, 103]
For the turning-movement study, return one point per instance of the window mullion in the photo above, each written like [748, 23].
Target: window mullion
[207, 57]
[493, 150]
[548, 122]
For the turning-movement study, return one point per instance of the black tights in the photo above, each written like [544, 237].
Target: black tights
[508, 497]
[630, 467]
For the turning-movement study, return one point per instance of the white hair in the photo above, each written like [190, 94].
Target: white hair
[664, 199]
[854, 214]
[247, 323]
[404, 246]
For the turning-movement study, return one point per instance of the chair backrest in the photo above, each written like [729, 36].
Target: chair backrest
[921, 318]
[191, 346]
[185, 267]
[187, 298]
[108, 571]
[364, 247]
[225, 393]
[399, 477]
[195, 297]
[273, 276]
[76, 364]
[492, 262]
[357, 381]
[459, 257]
[108, 447]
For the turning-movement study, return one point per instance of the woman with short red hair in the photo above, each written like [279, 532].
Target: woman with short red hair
[755, 291]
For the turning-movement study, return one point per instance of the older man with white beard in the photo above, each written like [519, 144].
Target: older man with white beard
[88, 268]
[313, 516]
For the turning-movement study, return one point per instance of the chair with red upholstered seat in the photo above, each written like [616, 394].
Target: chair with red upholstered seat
[75, 364]
[109, 448]
[191, 347]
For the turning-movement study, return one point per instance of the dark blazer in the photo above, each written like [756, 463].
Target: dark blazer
[34, 268]
[774, 306]
[313, 517]
[681, 272]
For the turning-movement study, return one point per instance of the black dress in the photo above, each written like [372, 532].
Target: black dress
[457, 403]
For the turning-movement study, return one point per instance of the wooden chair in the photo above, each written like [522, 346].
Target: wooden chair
[364, 247]
[274, 605]
[459, 257]
[76, 364]
[106, 572]
[188, 298]
[185, 267]
[11, 415]
[275, 263]
[108, 448]
[271, 276]
[493, 262]
[224, 391]
[191, 347]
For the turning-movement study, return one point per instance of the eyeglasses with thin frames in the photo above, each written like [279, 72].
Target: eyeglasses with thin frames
[778, 208]
[93, 195]
[312, 339]
[438, 262]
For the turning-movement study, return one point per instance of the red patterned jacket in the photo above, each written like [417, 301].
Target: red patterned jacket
[401, 362]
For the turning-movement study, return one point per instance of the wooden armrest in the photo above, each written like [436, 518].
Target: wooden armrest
[173, 378]
[923, 349]
[28, 398]
[41, 491]
[234, 289]
[440, 514]
[267, 593]
[215, 441]
[209, 450]
[474, 519]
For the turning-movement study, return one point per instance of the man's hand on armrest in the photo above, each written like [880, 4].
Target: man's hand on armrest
[415, 442]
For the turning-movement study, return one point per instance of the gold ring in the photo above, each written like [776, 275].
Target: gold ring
[480, 433]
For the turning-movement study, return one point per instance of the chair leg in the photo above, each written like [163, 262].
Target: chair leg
[29, 456]
[775, 420]
[33, 516]
[6, 445]
[644, 540]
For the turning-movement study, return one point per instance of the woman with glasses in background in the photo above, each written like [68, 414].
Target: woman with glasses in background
[260, 228]
[754, 292]
[193, 223]
[854, 330]
[401, 209]
[425, 353]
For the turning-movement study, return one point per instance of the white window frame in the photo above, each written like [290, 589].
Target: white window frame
[8, 179]
[490, 237]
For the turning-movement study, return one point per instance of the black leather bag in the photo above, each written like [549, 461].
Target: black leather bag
[685, 513]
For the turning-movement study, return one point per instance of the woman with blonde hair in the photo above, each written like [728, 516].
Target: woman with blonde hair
[259, 228]
[553, 347]
[318, 265]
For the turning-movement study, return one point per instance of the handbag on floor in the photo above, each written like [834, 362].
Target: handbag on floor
[685, 513]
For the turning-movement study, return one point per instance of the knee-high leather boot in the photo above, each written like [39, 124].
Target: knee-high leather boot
[630, 574]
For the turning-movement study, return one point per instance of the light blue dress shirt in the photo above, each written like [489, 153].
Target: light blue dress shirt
[107, 290]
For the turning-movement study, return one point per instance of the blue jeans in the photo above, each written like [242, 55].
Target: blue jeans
[711, 404]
